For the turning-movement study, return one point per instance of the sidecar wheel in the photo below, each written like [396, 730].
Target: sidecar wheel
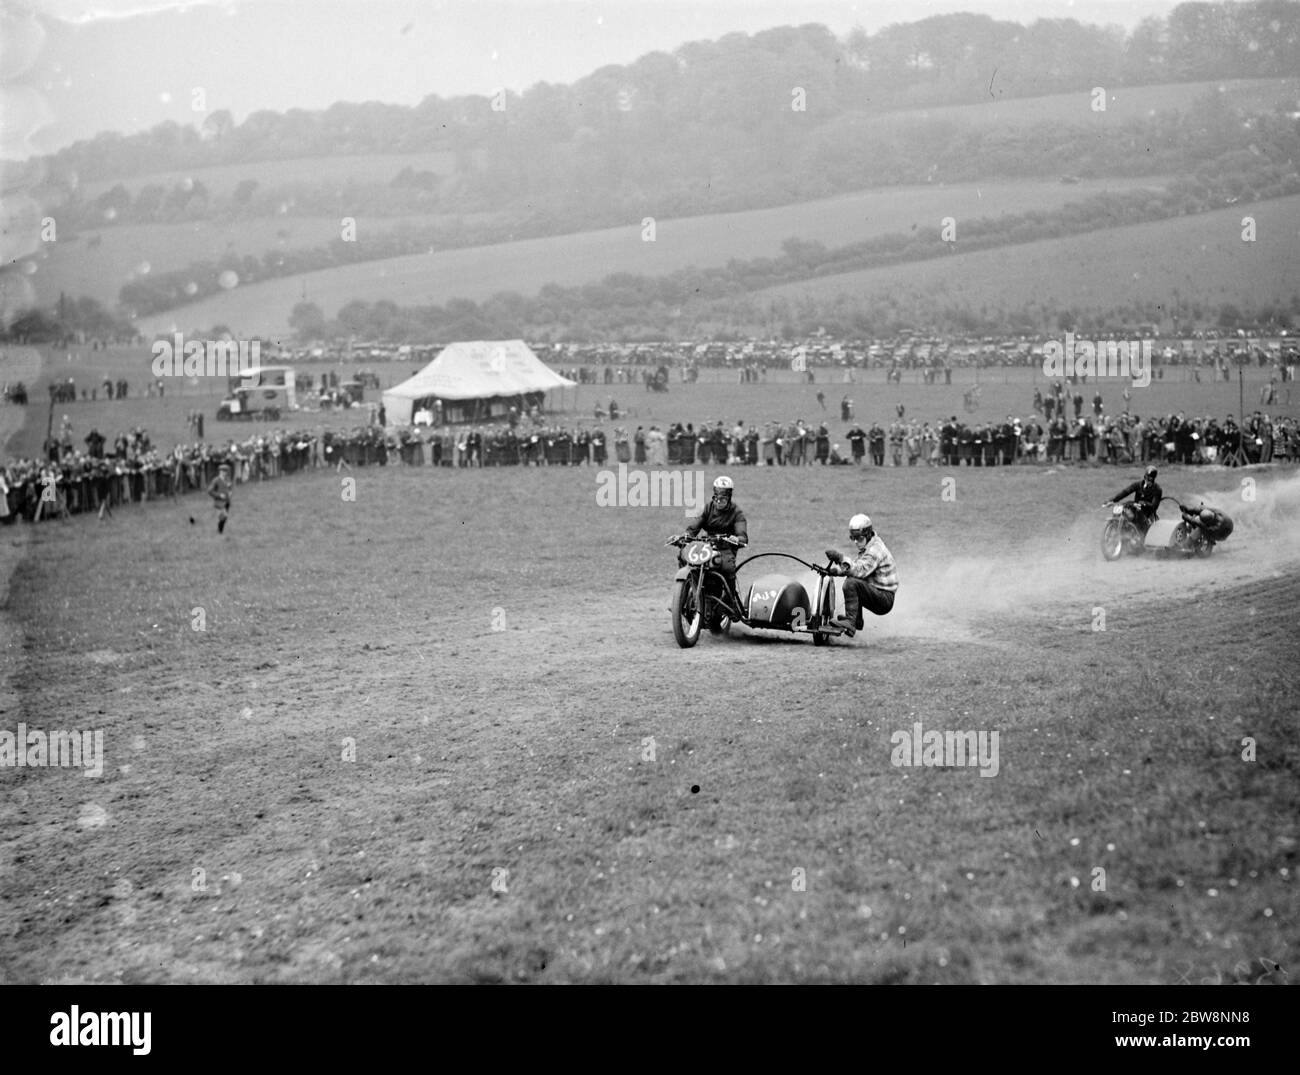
[825, 610]
[686, 617]
[1204, 547]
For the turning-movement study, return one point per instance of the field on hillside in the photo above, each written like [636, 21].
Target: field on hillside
[529, 264]
[1198, 258]
[223, 179]
[1123, 103]
[782, 398]
[441, 733]
[98, 263]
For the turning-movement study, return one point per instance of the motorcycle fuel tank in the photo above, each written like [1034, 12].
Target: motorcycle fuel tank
[774, 599]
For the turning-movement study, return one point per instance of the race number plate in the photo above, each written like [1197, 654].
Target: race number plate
[699, 552]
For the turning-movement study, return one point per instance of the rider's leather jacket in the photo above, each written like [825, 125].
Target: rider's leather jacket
[730, 520]
[1146, 495]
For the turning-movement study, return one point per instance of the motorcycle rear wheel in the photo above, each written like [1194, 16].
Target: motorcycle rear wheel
[686, 617]
[719, 622]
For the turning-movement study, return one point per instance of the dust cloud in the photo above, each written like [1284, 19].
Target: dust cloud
[967, 592]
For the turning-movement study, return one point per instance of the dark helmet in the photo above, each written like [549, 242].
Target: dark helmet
[1151, 473]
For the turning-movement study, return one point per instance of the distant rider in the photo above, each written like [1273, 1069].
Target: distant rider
[870, 577]
[1146, 498]
[721, 518]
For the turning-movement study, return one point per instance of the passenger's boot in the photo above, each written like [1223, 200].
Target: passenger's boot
[851, 620]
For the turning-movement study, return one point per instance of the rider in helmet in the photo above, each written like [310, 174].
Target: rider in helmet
[721, 518]
[1146, 498]
[871, 579]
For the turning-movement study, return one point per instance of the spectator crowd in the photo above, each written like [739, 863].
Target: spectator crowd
[98, 475]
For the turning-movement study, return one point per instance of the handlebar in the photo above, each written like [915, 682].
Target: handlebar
[680, 540]
[719, 539]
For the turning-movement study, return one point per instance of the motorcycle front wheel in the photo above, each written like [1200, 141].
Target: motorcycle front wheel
[1112, 540]
[686, 617]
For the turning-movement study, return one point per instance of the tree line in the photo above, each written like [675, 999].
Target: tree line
[707, 93]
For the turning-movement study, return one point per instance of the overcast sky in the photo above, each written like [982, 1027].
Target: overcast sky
[125, 65]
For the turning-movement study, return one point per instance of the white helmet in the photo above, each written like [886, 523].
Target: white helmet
[723, 489]
[860, 522]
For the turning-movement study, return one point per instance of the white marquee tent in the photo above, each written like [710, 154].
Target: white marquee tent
[473, 380]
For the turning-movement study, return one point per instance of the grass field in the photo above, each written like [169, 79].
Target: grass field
[528, 264]
[1199, 258]
[412, 741]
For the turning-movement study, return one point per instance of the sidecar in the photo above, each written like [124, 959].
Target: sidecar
[1164, 534]
[776, 601]
[779, 603]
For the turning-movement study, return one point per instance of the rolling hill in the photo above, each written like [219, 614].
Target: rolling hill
[99, 262]
[526, 266]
